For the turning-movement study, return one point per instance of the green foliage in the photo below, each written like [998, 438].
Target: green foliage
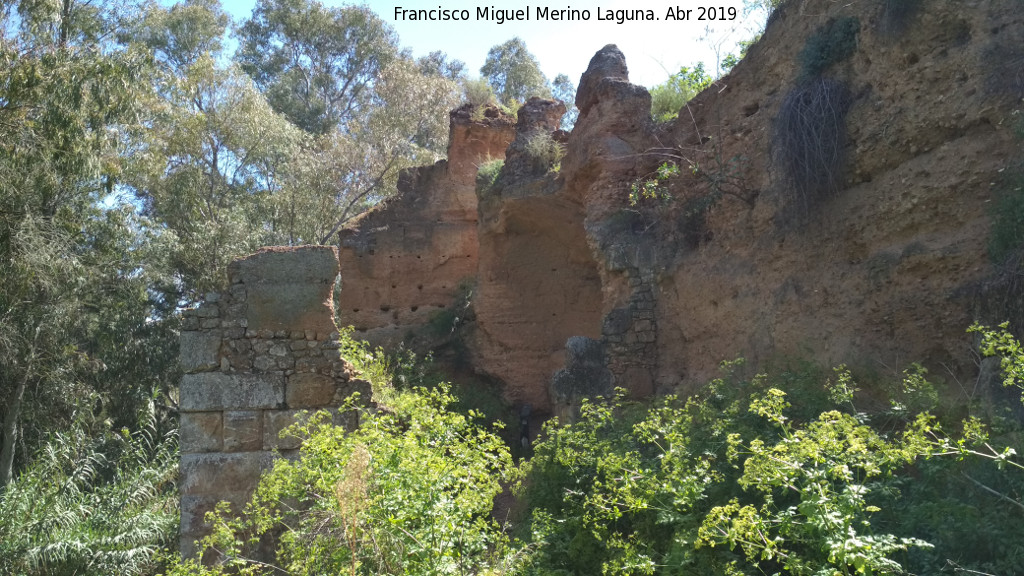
[832, 43]
[1004, 345]
[409, 491]
[736, 480]
[669, 97]
[478, 92]
[487, 176]
[94, 501]
[544, 151]
[1007, 212]
[564, 90]
[655, 187]
[86, 287]
[514, 73]
[316, 65]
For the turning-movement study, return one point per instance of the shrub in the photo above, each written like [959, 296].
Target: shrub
[809, 138]
[410, 491]
[654, 186]
[478, 92]
[487, 176]
[669, 97]
[545, 152]
[736, 480]
[830, 44]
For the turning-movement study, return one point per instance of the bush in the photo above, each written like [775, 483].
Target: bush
[830, 44]
[736, 480]
[478, 92]
[545, 152]
[487, 176]
[669, 97]
[809, 139]
[410, 491]
[722, 483]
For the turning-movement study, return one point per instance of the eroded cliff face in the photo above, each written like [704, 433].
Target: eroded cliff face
[878, 262]
[405, 261]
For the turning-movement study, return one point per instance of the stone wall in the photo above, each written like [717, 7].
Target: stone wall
[255, 356]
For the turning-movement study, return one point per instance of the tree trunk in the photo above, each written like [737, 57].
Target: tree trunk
[9, 432]
[10, 429]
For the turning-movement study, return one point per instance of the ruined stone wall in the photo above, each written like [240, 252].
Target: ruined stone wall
[254, 357]
[406, 260]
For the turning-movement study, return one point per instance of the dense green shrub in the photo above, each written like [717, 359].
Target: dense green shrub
[776, 474]
[92, 502]
[478, 92]
[736, 480]
[487, 176]
[545, 152]
[832, 43]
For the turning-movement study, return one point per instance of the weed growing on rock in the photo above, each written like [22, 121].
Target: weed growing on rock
[487, 176]
[809, 137]
[831, 44]
[655, 186]
[478, 92]
[544, 150]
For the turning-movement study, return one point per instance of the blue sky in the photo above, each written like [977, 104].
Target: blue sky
[653, 49]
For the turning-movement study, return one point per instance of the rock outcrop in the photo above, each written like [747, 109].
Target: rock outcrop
[575, 290]
[886, 264]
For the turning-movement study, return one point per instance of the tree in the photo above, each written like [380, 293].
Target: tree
[368, 109]
[514, 73]
[563, 89]
[215, 153]
[669, 97]
[437, 64]
[316, 65]
[79, 294]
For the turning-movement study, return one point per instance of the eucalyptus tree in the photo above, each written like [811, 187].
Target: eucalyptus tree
[563, 89]
[514, 72]
[214, 154]
[367, 108]
[316, 65]
[76, 297]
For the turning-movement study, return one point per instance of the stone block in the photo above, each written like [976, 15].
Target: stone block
[243, 430]
[201, 432]
[215, 474]
[274, 421]
[210, 391]
[194, 509]
[199, 351]
[288, 289]
[287, 265]
[310, 391]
